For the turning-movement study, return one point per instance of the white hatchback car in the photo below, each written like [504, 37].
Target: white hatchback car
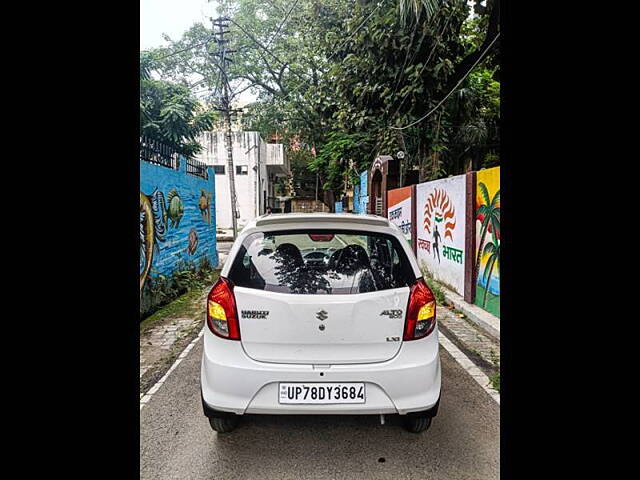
[320, 314]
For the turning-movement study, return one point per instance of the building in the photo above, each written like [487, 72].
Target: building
[279, 173]
[257, 166]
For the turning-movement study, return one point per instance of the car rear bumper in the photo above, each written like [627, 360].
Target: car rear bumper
[233, 382]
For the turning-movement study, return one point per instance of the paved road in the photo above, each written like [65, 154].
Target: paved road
[176, 441]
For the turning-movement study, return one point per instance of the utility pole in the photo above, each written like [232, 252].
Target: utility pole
[221, 23]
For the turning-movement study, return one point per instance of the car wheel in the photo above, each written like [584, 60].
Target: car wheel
[223, 425]
[417, 424]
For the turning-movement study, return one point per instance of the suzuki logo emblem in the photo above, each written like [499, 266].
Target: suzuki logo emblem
[322, 315]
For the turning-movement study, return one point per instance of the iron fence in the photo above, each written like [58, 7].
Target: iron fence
[197, 168]
[158, 153]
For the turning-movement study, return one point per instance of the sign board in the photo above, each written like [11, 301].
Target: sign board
[440, 226]
[399, 203]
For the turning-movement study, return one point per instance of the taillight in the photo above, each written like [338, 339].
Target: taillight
[421, 312]
[222, 315]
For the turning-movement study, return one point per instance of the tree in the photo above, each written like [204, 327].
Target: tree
[338, 75]
[170, 113]
[493, 250]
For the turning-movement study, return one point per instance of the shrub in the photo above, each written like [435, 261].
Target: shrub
[159, 290]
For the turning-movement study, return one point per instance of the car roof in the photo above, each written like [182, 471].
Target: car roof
[289, 220]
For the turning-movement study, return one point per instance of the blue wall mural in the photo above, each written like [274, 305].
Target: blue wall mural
[177, 219]
[356, 198]
[362, 198]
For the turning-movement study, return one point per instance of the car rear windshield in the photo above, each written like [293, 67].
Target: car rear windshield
[321, 262]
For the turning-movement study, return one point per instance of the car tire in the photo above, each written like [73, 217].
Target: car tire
[223, 424]
[417, 424]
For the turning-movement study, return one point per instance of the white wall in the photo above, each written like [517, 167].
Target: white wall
[250, 150]
[441, 203]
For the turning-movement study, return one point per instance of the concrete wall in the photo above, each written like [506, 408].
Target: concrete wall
[400, 209]
[487, 240]
[276, 155]
[441, 224]
[248, 150]
[177, 219]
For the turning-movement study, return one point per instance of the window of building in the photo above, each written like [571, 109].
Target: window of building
[242, 170]
[218, 169]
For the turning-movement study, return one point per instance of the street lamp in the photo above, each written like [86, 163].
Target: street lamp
[400, 156]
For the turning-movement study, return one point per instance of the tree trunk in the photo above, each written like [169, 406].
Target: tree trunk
[486, 290]
[476, 269]
[466, 63]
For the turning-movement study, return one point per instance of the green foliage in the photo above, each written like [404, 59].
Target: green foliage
[159, 290]
[332, 81]
[437, 291]
[169, 112]
[304, 178]
[414, 9]
[341, 158]
[494, 358]
[495, 381]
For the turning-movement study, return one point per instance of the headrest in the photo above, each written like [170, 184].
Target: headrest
[353, 258]
[288, 253]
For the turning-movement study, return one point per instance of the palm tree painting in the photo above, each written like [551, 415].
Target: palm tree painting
[488, 251]
[492, 249]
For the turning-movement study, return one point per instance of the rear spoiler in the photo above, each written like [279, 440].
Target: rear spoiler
[305, 218]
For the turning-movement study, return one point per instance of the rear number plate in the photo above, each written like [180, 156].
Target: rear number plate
[322, 393]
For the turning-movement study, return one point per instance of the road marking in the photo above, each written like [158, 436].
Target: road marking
[471, 368]
[144, 398]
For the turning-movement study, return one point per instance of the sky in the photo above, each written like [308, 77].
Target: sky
[174, 17]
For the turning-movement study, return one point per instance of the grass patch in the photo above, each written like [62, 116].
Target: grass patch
[437, 291]
[160, 290]
[494, 358]
[495, 381]
[184, 305]
[492, 304]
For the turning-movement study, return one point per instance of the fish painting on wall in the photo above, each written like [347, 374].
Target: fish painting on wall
[204, 204]
[175, 209]
[153, 227]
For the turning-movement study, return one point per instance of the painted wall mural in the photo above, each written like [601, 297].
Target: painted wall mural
[363, 197]
[177, 221]
[205, 205]
[175, 209]
[152, 230]
[356, 198]
[440, 226]
[399, 203]
[487, 261]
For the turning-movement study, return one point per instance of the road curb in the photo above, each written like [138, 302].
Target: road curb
[470, 367]
[488, 323]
